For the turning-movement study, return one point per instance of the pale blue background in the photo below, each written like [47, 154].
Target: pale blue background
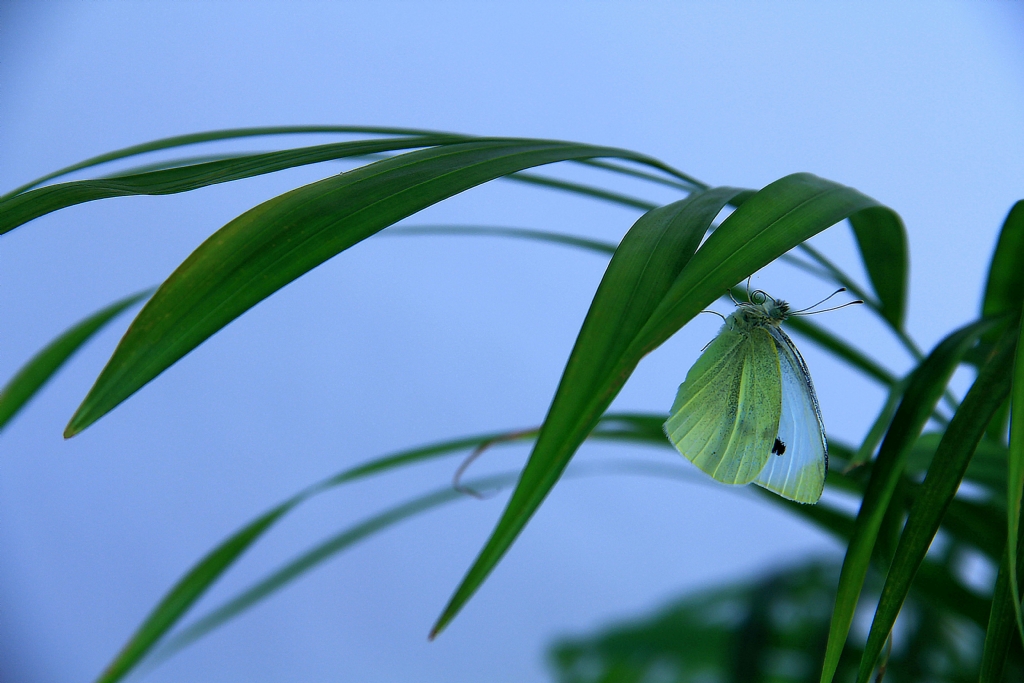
[402, 341]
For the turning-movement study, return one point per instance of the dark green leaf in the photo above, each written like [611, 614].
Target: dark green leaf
[1015, 476]
[215, 136]
[22, 208]
[34, 374]
[1004, 290]
[882, 241]
[272, 244]
[923, 392]
[965, 430]
[841, 349]
[619, 330]
[605, 248]
[1001, 622]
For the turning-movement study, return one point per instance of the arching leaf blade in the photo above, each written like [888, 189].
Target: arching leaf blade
[950, 463]
[215, 136]
[924, 390]
[26, 206]
[766, 224]
[272, 244]
[882, 241]
[1004, 288]
[41, 367]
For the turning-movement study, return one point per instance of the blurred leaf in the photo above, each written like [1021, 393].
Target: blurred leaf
[270, 245]
[1001, 623]
[620, 329]
[965, 430]
[195, 583]
[926, 386]
[881, 424]
[882, 241]
[22, 208]
[1015, 474]
[38, 371]
[311, 559]
[772, 629]
[840, 349]
[605, 248]
[586, 190]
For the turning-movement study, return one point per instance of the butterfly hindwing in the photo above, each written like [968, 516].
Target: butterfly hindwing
[726, 414]
[799, 472]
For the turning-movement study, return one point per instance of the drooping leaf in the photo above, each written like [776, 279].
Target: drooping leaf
[184, 594]
[955, 450]
[215, 136]
[766, 225]
[923, 392]
[270, 245]
[22, 208]
[882, 241]
[38, 371]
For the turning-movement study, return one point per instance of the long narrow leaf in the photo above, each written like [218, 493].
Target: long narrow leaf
[1001, 622]
[195, 583]
[882, 241]
[38, 371]
[22, 208]
[965, 430]
[923, 392]
[766, 225]
[215, 136]
[1015, 477]
[272, 244]
[1004, 289]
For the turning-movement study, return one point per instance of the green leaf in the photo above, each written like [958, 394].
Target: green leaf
[272, 244]
[621, 327]
[22, 208]
[881, 424]
[38, 371]
[214, 136]
[184, 594]
[965, 430]
[1004, 290]
[882, 241]
[1015, 476]
[605, 248]
[923, 393]
[1001, 622]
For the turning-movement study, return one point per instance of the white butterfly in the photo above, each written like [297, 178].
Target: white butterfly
[747, 411]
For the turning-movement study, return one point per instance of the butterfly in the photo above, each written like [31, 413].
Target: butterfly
[747, 410]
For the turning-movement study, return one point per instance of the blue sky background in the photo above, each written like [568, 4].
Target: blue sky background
[403, 341]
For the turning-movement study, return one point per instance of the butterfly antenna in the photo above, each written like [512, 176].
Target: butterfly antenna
[748, 286]
[729, 292]
[834, 308]
[804, 310]
[714, 312]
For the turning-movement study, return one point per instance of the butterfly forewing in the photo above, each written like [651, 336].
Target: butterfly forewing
[798, 473]
[726, 414]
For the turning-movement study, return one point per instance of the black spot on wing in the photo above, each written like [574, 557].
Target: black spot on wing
[779, 448]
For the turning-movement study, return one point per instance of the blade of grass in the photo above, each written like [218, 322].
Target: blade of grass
[926, 386]
[841, 349]
[586, 190]
[766, 225]
[1004, 289]
[606, 248]
[965, 430]
[41, 367]
[881, 424]
[270, 245]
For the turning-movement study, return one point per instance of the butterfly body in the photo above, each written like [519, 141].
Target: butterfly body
[747, 411]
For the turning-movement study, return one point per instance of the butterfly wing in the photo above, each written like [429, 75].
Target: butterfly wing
[798, 473]
[726, 413]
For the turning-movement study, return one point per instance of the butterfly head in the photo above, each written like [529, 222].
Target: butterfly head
[761, 309]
